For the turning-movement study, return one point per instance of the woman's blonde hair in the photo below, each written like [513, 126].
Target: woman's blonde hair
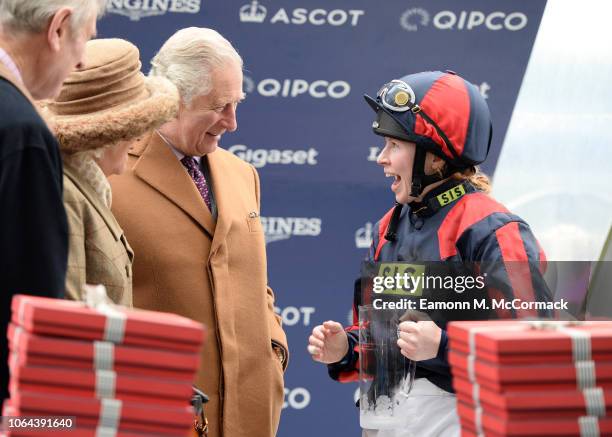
[475, 177]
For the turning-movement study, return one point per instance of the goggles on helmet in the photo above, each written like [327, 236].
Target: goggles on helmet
[398, 96]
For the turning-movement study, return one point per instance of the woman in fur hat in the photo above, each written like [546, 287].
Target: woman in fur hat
[101, 111]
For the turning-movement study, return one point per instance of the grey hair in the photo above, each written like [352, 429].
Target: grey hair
[188, 57]
[33, 15]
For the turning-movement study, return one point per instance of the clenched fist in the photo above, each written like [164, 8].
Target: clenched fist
[328, 342]
[419, 340]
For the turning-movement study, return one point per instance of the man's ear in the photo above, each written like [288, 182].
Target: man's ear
[59, 27]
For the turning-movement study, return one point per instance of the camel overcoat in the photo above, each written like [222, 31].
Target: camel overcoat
[212, 271]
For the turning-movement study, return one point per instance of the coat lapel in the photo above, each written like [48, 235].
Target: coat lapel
[223, 187]
[94, 200]
[159, 167]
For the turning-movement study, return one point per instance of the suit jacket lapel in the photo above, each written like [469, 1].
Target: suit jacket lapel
[159, 167]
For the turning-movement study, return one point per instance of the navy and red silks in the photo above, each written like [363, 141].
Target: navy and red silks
[472, 229]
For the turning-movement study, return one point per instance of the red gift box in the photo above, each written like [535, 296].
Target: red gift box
[103, 383]
[35, 350]
[64, 318]
[558, 426]
[92, 413]
[522, 405]
[526, 378]
[522, 342]
[541, 376]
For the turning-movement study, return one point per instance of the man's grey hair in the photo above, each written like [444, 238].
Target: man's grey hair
[188, 58]
[33, 15]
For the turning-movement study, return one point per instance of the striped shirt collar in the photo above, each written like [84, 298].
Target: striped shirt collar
[180, 155]
[8, 62]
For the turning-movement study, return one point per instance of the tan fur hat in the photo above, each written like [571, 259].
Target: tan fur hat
[109, 99]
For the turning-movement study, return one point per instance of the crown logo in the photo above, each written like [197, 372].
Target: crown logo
[253, 13]
[363, 236]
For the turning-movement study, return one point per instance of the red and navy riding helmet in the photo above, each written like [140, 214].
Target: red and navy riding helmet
[440, 112]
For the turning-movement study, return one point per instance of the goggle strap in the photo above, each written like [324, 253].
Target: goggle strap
[391, 234]
[418, 172]
[420, 180]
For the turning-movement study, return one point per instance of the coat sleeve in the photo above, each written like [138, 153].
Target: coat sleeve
[31, 192]
[279, 338]
[76, 272]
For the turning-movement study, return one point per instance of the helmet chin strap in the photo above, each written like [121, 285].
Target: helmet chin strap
[420, 180]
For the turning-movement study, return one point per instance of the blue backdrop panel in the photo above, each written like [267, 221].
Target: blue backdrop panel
[306, 128]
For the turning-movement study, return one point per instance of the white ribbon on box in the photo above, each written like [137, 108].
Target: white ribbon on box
[585, 373]
[471, 364]
[13, 357]
[586, 377]
[106, 381]
[104, 355]
[21, 310]
[105, 432]
[97, 299]
[595, 401]
[103, 365]
[589, 426]
[109, 418]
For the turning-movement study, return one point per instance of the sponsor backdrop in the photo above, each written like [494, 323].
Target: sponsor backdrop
[306, 127]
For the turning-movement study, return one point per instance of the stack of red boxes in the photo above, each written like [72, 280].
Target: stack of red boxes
[532, 378]
[118, 372]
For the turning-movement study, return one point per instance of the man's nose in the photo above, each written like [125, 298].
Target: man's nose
[229, 119]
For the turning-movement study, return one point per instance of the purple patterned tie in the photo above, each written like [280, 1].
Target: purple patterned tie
[198, 177]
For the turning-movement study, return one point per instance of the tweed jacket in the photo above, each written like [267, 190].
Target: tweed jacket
[98, 250]
[212, 271]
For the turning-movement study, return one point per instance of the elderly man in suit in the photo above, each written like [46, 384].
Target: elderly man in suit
[191, 213]
[41, 42]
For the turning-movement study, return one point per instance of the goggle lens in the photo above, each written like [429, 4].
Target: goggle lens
[397, 96]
